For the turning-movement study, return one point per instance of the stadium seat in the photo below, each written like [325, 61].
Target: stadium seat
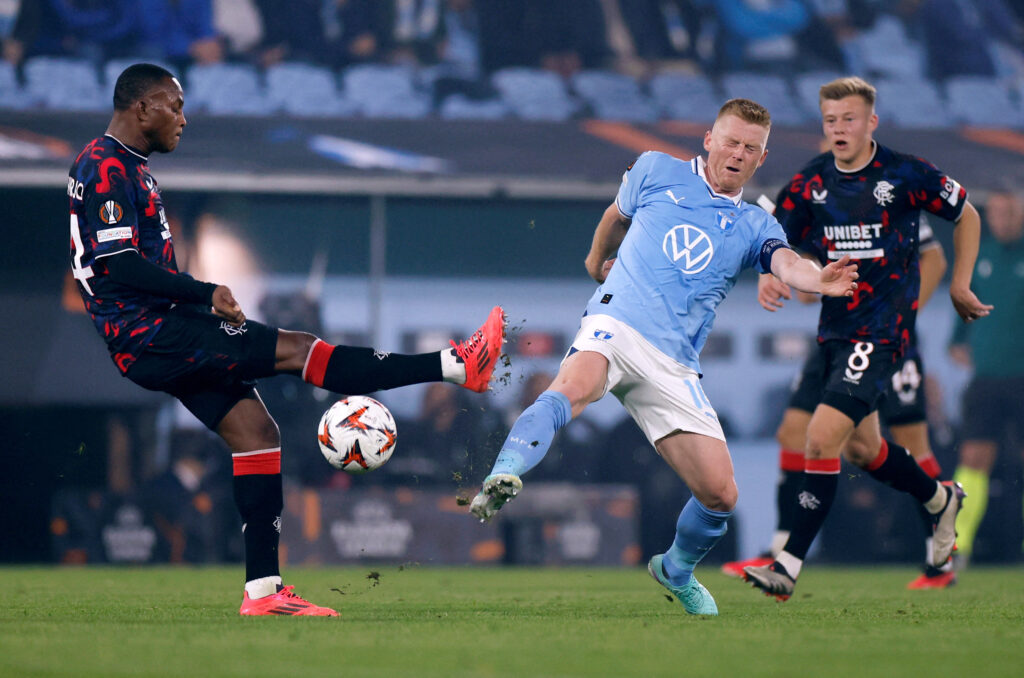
[304, 90]
[771, 91]
[384, 91]
[226, 89]
[683, 96]
[613, 96]
[911, 103]
[807, 86]
[460, 107]
[534, 94]
[65, 84]
[886, 50]
[981, 101]
[12, 97]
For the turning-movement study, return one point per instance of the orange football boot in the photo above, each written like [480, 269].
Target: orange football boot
[481, 351]
[284, 603]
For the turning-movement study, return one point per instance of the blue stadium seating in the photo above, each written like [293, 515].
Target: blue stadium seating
[65, 84]
[12, 97]
[807, 86]
[684, 96]
[460, 107]
[771, 91]
[383, 91]
[534, 94]
[613, 96]
[304, 90]
[914, 103]
[981, 101]
[226, 89]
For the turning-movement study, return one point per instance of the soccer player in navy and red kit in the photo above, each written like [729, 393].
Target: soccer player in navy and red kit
[169, 332]
[864, 200]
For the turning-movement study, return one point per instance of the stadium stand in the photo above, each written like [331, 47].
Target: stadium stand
[913, 103]
[306, 90]
[684, 96]
[534, 94]
[772, 91]
[384, 91]
[613, 96]
[65, 84]
[981, 101]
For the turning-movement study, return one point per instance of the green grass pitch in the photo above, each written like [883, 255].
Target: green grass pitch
[424, 621]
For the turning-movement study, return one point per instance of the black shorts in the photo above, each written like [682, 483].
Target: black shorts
[993, 410]
[904, 399]
[206, 363]
[806, 390]
[858, 374]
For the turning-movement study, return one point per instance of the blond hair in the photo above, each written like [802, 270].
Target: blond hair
[847, 87]
[747, 111]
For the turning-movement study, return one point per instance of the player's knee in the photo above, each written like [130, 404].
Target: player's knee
[293, 349]
[859, 454]
[722, 497]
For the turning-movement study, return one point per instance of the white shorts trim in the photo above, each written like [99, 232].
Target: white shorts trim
[662, 395]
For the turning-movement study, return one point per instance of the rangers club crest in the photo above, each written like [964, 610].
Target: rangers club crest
[883, 193]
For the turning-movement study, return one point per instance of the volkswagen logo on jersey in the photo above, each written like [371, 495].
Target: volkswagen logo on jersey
[690, 245]
[111, 212]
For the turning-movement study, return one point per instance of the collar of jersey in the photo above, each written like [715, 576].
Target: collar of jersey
[874, 152]
[698, 164]
[127, 147]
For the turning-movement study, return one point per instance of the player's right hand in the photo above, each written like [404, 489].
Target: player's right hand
[967, 305]
[771, 291]
[225, 306]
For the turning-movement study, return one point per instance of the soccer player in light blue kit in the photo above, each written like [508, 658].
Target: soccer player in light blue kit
[683, 235]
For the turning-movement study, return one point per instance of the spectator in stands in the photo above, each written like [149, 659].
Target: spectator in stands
[993, 407]
[758, 33]
[92, 29]
[335, 33]
[960, 35]
[669, 30]
[562, 37]
[412, 31]
[183, 500]
[178, 31]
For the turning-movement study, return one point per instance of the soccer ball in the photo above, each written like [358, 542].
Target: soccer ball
[357, 434]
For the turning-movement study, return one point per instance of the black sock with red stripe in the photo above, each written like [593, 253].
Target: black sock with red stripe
[355, 371]
[813, 502]
[260, 500]
[791, 478]
[896, 468]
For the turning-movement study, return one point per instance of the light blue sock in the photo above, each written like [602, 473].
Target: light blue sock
[531, 435]
[697, 530]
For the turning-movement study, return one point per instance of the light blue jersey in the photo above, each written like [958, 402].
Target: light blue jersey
[682, 254]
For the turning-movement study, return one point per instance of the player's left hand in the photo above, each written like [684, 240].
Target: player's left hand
[225, 306]
[839, 278]
[967, 304]
[605, 268]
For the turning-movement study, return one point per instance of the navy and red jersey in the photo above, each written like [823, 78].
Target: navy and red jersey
[116, 207]
[873, 215]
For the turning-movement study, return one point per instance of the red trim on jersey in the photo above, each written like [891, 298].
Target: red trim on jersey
[316, 363]
[930, 465]
[828, 466]
[791, 460]
[883, 454]
[262, 463]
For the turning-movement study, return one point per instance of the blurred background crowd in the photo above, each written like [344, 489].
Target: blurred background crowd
[477, 52]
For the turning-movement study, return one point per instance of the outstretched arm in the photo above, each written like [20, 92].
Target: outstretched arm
[607, 237]
[966, 237]
[838, 279]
